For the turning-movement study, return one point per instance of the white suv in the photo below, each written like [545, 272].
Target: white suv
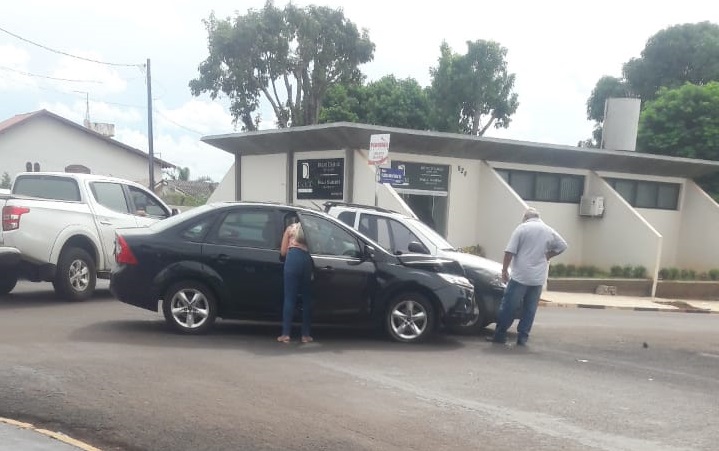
[401, 234]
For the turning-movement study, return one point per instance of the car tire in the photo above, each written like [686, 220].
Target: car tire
[76, 276]
[189, 307]
[7, 283]
[410, 318]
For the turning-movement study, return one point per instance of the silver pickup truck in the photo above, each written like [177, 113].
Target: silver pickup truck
[63, 228]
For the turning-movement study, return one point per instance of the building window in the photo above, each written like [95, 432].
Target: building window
[643, 194]
[545, 186]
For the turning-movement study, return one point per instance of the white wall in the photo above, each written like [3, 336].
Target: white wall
[55, 145]
[698, 246]
[225, 191]
[622, 236]
[499, 211]
[264, 178]
[668, 224]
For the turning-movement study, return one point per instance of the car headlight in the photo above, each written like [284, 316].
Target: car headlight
[456, 280]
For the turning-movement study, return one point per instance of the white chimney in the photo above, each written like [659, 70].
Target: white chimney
[621, 122]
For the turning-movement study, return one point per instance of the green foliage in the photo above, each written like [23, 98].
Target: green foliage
[5, 183]
[687, 53]
[682, 122]
[687, 274]
[474, 91]
[639, 272]
[289, 57]
[607, 87]
[616, 271]
[627, 271]
[558, 270]
[387, 101]
[664, 274]
[177, 199]
[571, 270]
[714, 274]
[474, 250]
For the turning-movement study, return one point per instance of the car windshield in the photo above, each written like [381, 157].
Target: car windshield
[432, 236]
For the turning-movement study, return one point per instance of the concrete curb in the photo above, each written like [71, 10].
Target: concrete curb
[544, 303]
[59, 436]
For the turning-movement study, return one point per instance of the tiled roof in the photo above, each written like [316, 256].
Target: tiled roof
[21, 118]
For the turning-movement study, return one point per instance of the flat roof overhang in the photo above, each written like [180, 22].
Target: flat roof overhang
[345, 135]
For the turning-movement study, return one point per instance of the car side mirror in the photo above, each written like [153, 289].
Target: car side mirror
[368, 252]
[174, 212]
[417, 248]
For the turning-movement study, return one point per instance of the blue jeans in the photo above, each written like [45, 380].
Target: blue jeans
[516, 295]
[298, 279]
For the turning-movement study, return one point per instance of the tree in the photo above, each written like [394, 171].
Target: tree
[388, 101]
[674, 56]
[472, 92]
[183, 174]
[682, 122]
[6, 183]
[289, 57]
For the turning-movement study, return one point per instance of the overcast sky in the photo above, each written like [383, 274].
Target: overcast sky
[557, 49]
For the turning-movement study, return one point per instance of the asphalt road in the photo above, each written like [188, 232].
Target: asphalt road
[114, 376]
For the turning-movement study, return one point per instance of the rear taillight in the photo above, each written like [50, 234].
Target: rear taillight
[123, 253]
[11, 217]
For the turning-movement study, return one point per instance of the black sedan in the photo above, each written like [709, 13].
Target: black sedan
[223, 260]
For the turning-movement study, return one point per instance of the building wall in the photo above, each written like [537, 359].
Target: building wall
[698, 246]
[264, 178]
[622, 236]
[499, 210]
[565, 219]
[225, 191]
[668, 224]
[55, 145]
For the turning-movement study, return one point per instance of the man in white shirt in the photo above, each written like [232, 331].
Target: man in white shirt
[532, 245]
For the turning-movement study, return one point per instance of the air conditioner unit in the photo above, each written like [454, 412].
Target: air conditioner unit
[592, 206]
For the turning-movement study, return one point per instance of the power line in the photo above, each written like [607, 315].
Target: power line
[65, 53]
[179, 125]
[29, 74]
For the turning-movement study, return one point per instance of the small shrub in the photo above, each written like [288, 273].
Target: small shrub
[673, 273]
[571, 270]
[703, 276]
[615, 271]
[639, 272]
[592, 271]
[714, 274]
[560, 269]
[474, 250]
[582, 271]
[664, 273]
[688, 274]
[627, 271]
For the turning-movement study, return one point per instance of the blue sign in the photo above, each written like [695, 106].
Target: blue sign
[391, 175]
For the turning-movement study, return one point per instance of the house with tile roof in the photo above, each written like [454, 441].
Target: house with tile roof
[45, 141]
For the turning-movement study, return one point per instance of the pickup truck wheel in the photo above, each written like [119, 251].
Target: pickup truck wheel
[75, 278]
[410, 318]
[189, 307]
[7, 283]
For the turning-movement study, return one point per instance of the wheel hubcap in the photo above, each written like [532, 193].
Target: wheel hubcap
[409, 319]
[190, 308]
[79, 275]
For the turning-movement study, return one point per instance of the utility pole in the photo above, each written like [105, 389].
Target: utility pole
[150, 146]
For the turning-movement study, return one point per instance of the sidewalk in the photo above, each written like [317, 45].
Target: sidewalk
[597, 301]
[15, 435]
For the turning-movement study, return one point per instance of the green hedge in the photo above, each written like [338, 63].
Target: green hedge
[629, 272]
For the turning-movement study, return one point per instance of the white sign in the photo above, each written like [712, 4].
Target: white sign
[378, 149]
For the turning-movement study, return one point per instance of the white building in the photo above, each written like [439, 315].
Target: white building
[474, 190]
[45, 141]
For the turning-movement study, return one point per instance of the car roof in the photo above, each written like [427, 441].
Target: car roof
[341, 206]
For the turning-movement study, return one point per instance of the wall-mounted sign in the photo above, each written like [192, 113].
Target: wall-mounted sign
[378, 149]
[391, 175]
[423, 176]
[321, 178]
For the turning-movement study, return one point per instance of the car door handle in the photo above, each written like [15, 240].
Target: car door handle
[223, 258]
[327, 268]
[105, 222]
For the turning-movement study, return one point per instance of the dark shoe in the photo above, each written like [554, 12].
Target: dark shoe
[521, 343]
[492, 340]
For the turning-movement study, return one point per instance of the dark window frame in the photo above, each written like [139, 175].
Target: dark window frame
[655, 205]
[506, 174]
